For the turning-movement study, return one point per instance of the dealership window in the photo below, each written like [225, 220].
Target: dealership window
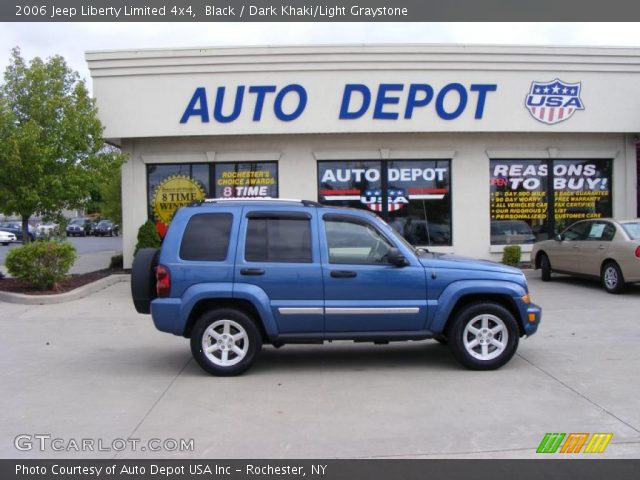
[246, 179]
[533, 199]
[174, 185]
[414, 196]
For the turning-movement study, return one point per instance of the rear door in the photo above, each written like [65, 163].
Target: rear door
[595, 248]
[278, 252]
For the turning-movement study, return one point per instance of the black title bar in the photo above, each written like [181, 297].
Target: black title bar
[583, 469]
[316, 11]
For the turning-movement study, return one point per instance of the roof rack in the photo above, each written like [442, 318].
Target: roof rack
[306, 203]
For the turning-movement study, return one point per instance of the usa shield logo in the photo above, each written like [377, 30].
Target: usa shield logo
[396, 197]
[554, 102]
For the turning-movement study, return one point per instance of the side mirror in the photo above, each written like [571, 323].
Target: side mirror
[559, 237]
[395, 257]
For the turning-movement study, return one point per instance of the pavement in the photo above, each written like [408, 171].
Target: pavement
[95, 369]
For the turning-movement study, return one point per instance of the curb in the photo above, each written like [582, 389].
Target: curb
[75, 294]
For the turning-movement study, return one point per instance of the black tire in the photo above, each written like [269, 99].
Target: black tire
[250, 344]
[143, 279]
[545, 267]
[5, 243]
[612, 278]
[496, 316]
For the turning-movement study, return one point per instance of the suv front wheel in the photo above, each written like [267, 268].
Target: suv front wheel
[225, 342]
[484, 336]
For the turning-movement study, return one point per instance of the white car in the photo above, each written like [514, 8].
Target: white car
[605, 248]
[46, 230]
[6, 237]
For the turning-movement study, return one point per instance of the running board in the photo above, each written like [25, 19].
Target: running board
[355, 336]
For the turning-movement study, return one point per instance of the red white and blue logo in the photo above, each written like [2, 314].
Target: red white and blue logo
[553, 102]
[396, 198]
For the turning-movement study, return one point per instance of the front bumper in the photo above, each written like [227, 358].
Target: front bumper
[531, 319]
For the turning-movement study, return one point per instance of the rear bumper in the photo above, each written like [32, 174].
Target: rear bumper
[166, 315]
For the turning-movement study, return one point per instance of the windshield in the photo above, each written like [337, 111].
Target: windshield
[403, 240]
[76, 221]
[632, 229]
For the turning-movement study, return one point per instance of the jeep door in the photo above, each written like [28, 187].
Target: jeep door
[278, 252]
[363, 291]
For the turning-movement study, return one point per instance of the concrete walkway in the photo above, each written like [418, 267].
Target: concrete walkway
[94, 368]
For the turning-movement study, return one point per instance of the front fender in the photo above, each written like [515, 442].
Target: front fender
[457, 290]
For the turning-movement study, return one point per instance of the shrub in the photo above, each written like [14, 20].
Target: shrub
[116, 262]
[42, 264]
[147, 237]
[511, 255]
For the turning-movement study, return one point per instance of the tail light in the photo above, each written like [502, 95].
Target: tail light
[163, 281]
[638, 251]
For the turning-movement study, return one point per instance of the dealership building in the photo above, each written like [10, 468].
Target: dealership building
[462, 149]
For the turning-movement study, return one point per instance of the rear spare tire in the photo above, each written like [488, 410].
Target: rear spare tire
[143, 279]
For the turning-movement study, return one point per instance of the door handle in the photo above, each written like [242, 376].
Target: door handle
[601, 247]
[574, 246]
[252, 271]
[343, 274]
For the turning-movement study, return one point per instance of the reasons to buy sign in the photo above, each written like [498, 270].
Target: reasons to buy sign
[519, 189]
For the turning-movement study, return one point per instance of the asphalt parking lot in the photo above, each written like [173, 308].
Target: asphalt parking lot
[83, 245]
[95, 369]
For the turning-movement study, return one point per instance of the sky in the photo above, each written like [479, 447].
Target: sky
[72, 40]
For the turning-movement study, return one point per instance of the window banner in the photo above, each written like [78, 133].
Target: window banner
[172, 193]
[520, 203]
[246, 180]
[361, 182]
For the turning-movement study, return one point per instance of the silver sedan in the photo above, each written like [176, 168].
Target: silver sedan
[605, 248]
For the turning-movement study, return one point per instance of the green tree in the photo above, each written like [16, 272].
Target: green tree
[52, 154]
[111, 198]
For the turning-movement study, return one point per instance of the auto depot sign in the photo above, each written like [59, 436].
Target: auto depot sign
[384, 101]
[181, 94]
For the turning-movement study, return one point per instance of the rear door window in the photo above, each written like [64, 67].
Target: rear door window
[278, 238]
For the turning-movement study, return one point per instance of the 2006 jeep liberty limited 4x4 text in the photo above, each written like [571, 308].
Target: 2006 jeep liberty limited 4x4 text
[233, 275]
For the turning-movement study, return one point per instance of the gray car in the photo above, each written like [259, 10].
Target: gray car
[603, 248]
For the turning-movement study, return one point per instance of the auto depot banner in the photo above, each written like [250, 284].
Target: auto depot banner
[392, 95]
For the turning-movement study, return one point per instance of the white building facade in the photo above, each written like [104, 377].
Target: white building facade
[463, 149]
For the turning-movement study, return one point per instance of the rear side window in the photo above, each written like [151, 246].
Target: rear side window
[206, 237]
[275, 239]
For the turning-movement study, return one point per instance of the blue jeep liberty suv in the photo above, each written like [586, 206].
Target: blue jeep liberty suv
[233, 275]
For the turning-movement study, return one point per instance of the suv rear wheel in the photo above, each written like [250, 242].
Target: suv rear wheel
[483, 336]
[225, 342]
